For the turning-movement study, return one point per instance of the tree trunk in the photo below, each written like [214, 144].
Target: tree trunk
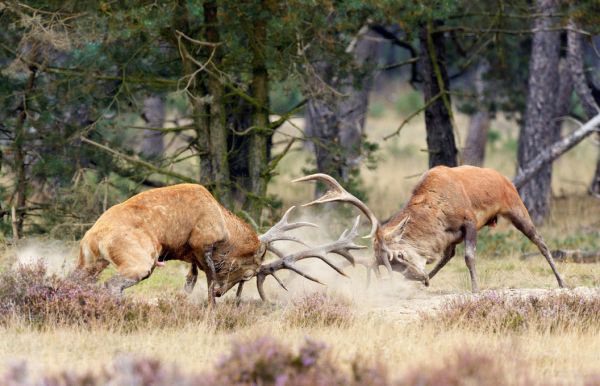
[154, 116]
[479, 123]
[595, 185]
[19, 166]
[335, 123]
[583, 91]
[258, 157]
[440, 135]
[539, 130]
[217, 138]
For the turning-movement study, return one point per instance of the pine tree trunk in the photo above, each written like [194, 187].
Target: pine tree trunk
[258, 157]
[19, 166]
[595, 185]
[479, 123]
[539, 130]
[154, 116]
[217, 139]
[336, 122]
[440, 135]
[583, 91]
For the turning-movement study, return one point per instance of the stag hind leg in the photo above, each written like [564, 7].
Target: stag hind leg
[470, 247]
[134, 260]
[191, 278]
[521, 220]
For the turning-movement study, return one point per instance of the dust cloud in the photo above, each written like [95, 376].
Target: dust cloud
[58, 256]
[383, 293]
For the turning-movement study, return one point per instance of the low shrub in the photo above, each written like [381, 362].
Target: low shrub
[468, 367]
[319, 309]
[494, 313]
[267, 362]
[28, 294]
[263, 361]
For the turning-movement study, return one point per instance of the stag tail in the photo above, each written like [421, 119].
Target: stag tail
[335, 192]
[89, 266]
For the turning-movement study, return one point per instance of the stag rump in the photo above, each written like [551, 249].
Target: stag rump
[448, 206]
[185, 222]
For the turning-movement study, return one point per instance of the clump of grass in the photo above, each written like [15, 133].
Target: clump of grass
[29, 295]
[494, 313]
[319, 309]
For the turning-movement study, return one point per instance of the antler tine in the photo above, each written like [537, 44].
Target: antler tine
[335, 192]
[277, 231]
[342, 246]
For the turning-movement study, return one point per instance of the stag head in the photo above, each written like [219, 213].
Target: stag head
[390, 249]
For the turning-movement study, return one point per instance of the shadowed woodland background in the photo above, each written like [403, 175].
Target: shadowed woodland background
[103, 99]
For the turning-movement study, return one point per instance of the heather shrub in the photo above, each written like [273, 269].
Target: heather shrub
[319, 309]
[267, 362]
[467, 367]
[260, 362]
[28, 294]
[126, 371]
[491, 312]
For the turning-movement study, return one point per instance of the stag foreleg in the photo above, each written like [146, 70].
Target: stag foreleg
[211, 274]
[238, 293]
[470, 247]
[448, 254]
[191, 278]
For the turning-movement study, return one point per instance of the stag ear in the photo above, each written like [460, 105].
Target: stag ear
[262, 251]
[395, 234]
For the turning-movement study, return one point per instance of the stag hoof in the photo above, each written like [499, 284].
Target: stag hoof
[188, 288]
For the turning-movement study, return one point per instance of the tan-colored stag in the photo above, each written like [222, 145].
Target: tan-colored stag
[185, 222]
[447, 206]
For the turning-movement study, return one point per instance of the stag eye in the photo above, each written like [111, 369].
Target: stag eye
[248, 275]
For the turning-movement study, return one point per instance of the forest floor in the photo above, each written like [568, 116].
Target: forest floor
[393, 321]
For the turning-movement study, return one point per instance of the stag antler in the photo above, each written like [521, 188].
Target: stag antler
[341, 247]
[335, 192]
[277, 232]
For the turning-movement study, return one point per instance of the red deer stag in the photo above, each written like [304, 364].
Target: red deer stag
[185, 222]
[447, 206]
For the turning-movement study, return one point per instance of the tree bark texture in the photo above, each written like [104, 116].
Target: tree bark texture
[154, 116]
[479, 123]
[440, 135]
[539, 131]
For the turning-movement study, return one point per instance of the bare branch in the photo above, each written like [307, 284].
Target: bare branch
[139, 162]
[555, 151]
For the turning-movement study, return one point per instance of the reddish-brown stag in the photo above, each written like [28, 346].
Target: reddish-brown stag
[448, 206]
[185, 222]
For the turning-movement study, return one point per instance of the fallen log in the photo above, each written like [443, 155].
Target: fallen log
[571, 255]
